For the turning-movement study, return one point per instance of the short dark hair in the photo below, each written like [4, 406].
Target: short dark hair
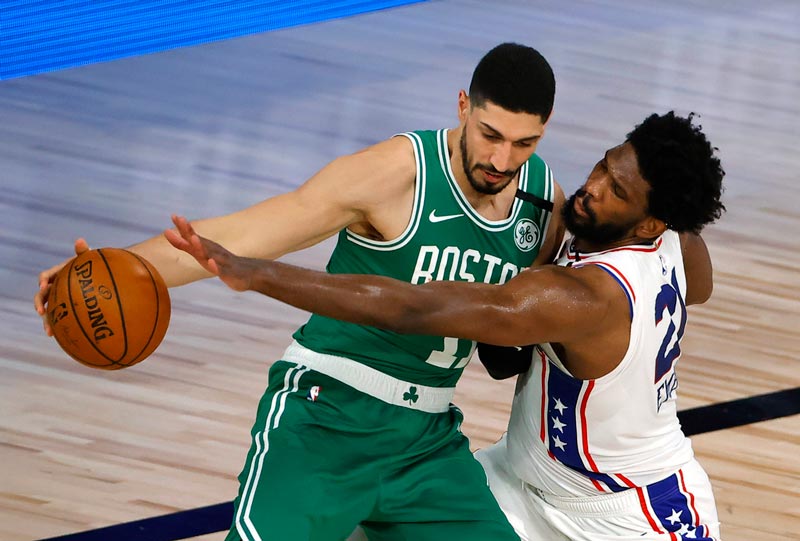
[516, 78]
[683, 171]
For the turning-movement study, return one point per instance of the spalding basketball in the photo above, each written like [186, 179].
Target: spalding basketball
[108, 308]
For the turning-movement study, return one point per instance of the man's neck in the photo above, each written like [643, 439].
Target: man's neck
[586, 246]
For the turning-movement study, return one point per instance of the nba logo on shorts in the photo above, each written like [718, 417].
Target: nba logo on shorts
[313, 393]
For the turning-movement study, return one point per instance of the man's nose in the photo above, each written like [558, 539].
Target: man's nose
[594, 186]
[501, 157]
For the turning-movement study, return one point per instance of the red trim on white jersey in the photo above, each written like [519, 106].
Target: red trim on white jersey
[624, 479]
[690, 499]
[615, 272]
[648, 512]
[583, 448]
[543, 431]
[573, 255]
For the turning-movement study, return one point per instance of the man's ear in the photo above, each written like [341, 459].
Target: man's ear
[650, 228]
[463, 106]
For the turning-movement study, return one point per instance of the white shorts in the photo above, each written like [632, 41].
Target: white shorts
[679, 507]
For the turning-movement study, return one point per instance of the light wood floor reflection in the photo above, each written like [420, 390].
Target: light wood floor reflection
[109, 151]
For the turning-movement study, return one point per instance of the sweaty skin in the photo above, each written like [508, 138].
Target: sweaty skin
[370, 192]
[582, 310]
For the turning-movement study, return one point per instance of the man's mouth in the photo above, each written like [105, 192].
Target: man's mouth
[494, 177]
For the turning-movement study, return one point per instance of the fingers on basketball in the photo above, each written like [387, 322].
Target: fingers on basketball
[108, 308]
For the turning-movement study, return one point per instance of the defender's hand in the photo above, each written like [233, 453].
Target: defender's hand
[235, 271]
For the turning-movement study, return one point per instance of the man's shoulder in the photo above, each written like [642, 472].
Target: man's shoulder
[386, 166]
[394, 151]
[404, 151]
[423, 133]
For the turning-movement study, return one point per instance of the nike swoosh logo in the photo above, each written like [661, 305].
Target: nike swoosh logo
[436, 219]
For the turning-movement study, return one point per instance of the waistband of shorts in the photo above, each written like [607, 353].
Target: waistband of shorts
[371, 381]
[616, 502]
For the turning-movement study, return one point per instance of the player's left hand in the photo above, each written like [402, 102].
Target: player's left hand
[235, 271]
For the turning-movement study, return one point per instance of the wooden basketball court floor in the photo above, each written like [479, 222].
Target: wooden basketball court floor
[109, 151]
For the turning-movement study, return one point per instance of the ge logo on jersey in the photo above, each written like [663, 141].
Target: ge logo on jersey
[526, 235]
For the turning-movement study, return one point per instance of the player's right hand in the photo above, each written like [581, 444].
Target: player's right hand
[46, 281]
[236, 272]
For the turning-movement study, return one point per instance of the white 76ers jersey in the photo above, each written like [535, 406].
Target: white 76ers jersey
[572, 437]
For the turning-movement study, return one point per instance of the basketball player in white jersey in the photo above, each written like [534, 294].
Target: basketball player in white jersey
[594, 450]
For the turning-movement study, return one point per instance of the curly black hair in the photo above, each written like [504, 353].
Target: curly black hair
[515, 77]
[683, 171]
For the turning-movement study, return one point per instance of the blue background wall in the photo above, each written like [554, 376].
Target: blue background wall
[44, 35]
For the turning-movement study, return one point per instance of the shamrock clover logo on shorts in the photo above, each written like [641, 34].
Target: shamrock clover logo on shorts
[411, 395]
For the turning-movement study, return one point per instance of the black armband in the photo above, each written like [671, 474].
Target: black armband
[504, 362]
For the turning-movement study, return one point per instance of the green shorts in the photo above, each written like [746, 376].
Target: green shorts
[326, 457]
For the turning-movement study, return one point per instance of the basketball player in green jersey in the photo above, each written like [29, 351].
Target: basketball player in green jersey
[356, 425]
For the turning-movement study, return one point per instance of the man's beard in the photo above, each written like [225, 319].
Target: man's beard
[587, 228]
[482, 187]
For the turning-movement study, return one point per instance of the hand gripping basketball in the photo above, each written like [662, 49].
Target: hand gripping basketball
[108, 308]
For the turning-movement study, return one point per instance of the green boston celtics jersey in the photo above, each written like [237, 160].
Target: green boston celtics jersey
[446, 239]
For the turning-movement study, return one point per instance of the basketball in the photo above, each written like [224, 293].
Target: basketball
[108, 308]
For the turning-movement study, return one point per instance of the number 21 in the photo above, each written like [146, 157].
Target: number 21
[669, 299]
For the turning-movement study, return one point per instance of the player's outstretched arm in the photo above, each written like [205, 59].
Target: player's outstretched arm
[545, 304]
[351, 189]
[235, 271]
